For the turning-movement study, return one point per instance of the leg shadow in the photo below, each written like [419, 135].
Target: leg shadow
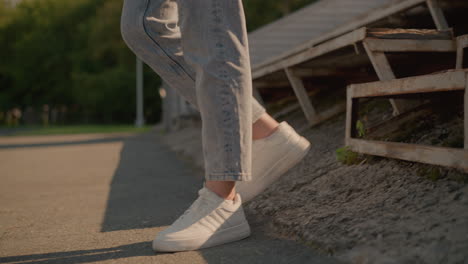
[84, 256]
[151, 186]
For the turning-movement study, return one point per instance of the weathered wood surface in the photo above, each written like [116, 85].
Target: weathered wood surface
[310, 53]
[439, 44]
[350, 117]
[447, 81]
[440, 38]
[437, 14]
[449, 157]
[410, 45]
[376, 14]
[376, 49]
[380, 63]
[462, 43]
[304, 100]
[403, 33]
[384, 72]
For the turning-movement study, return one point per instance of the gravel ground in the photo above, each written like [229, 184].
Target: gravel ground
[378, 211]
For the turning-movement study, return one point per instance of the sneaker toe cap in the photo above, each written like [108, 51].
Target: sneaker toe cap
[166, 241]
[160, 241]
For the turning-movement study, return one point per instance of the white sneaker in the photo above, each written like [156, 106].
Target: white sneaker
[210, 221]
[272, 157]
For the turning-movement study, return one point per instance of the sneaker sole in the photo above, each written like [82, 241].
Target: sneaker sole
[224, 236]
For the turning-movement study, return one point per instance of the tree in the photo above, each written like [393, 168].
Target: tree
[70, 52]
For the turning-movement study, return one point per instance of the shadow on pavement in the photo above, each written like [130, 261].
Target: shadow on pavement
[256, 249]
[151, 186]
[85, 256]
[65, 143]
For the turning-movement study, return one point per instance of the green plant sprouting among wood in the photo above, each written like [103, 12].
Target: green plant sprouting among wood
[360, 128]
[430, 172]
[346, 156]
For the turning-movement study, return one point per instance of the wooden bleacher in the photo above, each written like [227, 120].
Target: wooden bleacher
[454, 80]
[377, 42]
[392, 52]
[337, 52]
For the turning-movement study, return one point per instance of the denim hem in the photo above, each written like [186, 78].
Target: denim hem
[229, 177]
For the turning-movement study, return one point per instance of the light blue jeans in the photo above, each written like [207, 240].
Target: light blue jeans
[200, 48]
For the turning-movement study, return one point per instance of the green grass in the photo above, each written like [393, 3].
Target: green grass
[346, 156]
[73, 129]
[430, 172]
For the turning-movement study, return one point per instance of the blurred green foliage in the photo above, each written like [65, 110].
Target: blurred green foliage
[360, 128]
[70, 53]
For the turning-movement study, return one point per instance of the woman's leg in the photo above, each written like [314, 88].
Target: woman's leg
[207, 64]
[214, 42]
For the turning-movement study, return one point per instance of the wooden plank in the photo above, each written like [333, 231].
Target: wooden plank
[310, 53]
[462, 43]
[448, 81]
[437, 14]
[299, 89]
[449, 157]
[374, 15]
[349, 115]
[409, 45]
[403, 33]
[384, 72]
[381, 65]
[348, 39]
[375, 49]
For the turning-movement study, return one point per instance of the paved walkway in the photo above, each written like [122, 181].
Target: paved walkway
[101, 198]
